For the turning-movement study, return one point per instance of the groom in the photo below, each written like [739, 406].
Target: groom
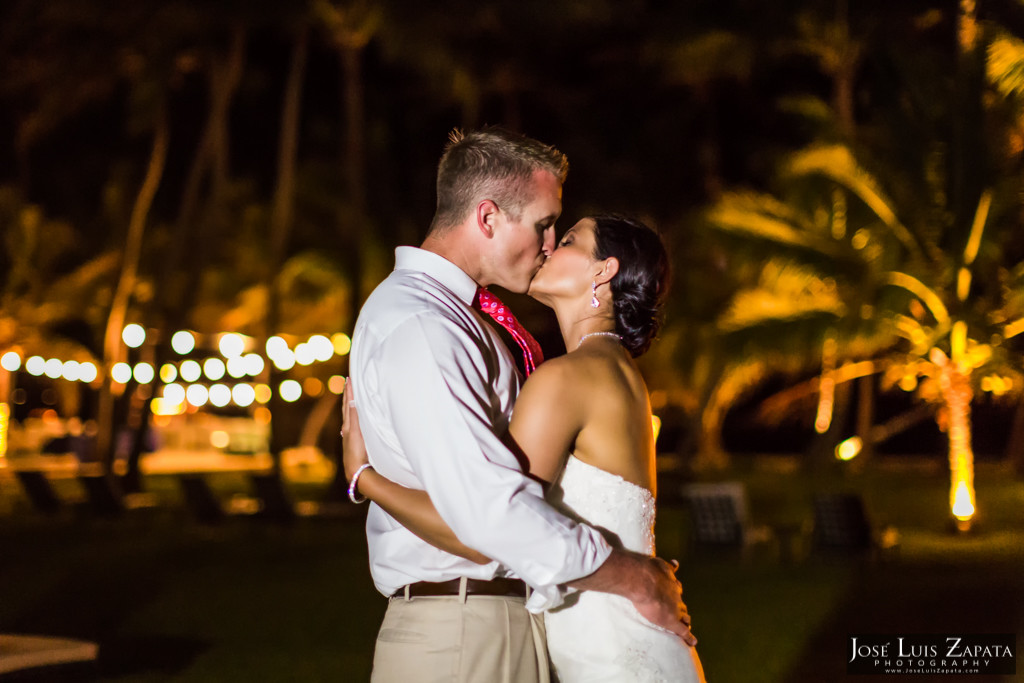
[435, 389]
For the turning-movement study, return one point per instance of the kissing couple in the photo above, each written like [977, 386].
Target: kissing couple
[512, 522]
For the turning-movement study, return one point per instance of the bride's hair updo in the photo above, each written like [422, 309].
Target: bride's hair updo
[638, 289]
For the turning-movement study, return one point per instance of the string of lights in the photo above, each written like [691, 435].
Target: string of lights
[201, 381]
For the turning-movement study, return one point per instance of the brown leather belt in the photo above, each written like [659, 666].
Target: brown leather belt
[497, 586]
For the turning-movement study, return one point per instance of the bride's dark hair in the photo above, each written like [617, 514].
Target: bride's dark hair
[638, 289]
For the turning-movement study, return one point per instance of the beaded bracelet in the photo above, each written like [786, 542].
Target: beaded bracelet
[352, 485]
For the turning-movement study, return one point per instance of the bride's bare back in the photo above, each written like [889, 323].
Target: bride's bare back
[592, 403]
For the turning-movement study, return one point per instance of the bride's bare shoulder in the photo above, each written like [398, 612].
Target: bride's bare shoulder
[579, 374]
[561, 377]
[570, 364]
[553, 371]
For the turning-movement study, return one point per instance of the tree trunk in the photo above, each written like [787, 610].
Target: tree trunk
[709, 153]
[352, 216]
[113, 349]
[704, 436]
[957, 393]
[315, 421]
[844, 102]
[6, 388]
[710, 453]
[131, 482]
[823, 446]
[225, 75]
[210, 160]
[1015, 446]
[845, 74]
[287, 152]
[281, 217]
[352, 220]
[468, 95]
[865, 417]
[355, 150]
[968, 129]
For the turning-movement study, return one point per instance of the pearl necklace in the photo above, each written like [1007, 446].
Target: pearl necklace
[618, 337]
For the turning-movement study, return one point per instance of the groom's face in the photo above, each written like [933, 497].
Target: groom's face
[524, 242]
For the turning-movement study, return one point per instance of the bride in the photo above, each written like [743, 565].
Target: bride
[583, 423]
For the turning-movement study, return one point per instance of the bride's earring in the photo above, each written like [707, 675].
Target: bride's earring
[594, 303]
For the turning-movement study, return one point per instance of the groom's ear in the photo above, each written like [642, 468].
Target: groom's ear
[486, 217]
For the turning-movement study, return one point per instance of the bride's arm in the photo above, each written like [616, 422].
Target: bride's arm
[545, 422]
[413, 509]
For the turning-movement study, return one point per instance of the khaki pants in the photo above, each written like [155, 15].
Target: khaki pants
[474, 639]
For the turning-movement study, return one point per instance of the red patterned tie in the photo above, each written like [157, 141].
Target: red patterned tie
[492, 306]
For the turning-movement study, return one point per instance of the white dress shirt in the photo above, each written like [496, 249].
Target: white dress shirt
[435, 386]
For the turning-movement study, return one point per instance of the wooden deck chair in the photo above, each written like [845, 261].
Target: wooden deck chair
[275, 505]
[104, 495]
[39, 491]
[720, 518]
[842, 527]
[199, 499]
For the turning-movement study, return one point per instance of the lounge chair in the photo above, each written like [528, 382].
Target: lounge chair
[720, 518]
[39, 491]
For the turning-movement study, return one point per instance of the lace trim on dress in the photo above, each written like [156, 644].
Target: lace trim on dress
[611, 503]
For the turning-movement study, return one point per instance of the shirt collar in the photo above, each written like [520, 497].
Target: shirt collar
[439, 268]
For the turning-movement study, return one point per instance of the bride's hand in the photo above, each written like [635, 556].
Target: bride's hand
[354, 448]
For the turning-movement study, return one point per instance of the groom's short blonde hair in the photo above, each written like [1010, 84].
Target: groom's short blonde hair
[492, 163]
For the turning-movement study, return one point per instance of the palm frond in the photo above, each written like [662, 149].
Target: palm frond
[927, 296]
[709, 56]
[1004, 65]
[85, 280]
[785, 291]
[838, 163]
[765, 218]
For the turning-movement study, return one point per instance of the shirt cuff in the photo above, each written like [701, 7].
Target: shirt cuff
[551, 596]
[547, 598]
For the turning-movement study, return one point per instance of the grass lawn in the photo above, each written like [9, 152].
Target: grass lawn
[168, 599]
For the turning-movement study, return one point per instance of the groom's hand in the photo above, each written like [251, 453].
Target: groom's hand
[650, 584]
[661, 601]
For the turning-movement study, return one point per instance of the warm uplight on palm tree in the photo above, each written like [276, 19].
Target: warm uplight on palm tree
[5, 420]
[850, 448]
[826, 387]
[950, 350]
[963, 502]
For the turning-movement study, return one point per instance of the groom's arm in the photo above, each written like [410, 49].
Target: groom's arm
[433, 380]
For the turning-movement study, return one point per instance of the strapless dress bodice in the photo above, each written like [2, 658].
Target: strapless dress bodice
[621, 509]
[599, 637]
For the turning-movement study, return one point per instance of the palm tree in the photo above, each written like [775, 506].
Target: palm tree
[1005, 71]
[903, 249]
[37, 300]
[283, 206]
[802, 307]
[351, 26]
[199, 213]
[113, 348]
[897, 272]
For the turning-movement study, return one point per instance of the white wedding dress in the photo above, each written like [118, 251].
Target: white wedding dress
[598, 637]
